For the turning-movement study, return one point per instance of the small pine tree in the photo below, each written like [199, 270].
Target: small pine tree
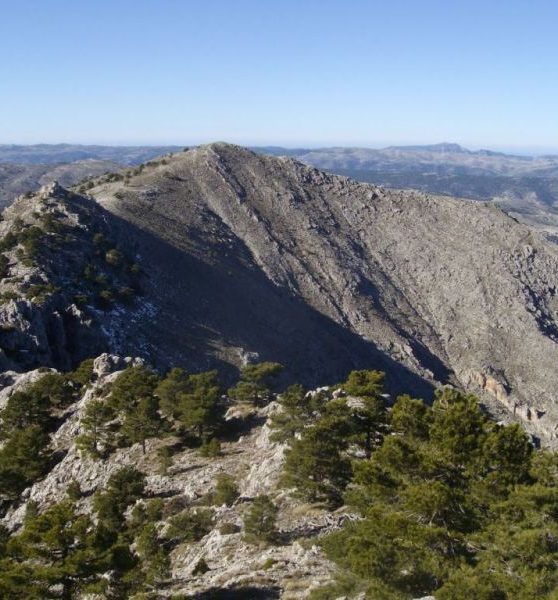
[142, 422]
[259, 523]
[96, 437]
[226, 490]
[200, 408]
[256, 382]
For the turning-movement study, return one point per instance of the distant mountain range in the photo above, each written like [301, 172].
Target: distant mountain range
[66, 153]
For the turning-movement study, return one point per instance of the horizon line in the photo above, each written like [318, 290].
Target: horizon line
[503, 149]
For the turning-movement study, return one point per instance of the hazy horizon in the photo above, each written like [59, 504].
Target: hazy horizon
[520, 151]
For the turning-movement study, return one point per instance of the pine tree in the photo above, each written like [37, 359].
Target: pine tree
[315, 464]
[23, 459]
[95, 424]
[131, 386]
[259, 522]
[200, 408]
[168, 390]
[22, 410]
[256, 382]
[142, 422]
[296, 412]
[226, 490]
[369, 411]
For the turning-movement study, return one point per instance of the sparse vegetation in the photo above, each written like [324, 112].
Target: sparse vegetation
[259, 523]
[450, 503]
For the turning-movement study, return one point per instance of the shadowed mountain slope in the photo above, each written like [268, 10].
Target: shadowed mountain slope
[257, 250]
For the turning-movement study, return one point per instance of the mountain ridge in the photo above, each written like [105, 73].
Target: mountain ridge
[247, 255]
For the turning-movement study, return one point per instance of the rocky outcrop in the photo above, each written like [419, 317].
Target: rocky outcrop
[69, 292]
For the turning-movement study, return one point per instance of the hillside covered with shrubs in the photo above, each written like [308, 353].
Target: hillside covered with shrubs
[432, 499]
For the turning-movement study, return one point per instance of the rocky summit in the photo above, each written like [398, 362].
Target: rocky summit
[217, 256]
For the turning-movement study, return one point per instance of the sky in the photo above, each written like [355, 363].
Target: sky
[284, 72]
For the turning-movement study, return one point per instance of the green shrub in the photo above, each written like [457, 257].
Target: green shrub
[211, 448]
[4, 266]
[189, 526]
[268, 564]
[259, 522]
[226, 490]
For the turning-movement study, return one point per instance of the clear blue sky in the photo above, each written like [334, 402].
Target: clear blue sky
[306, 72]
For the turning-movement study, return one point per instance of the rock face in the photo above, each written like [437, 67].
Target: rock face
[252, 256]
[67, 292]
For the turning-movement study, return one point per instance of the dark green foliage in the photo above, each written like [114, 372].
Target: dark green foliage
[133, 402]
[175, 383]
[83, 374]
[132, 385]
[296, 411]
[452, 505]
[259, 522]
[25, 424]
[211, 448]
[145, 513]
[193, 402]
[369, 413]
[457, 426]
[74, 491]
[142, 422]
[54, 548]
[23, 410]
[98, 434]
[4, 266]
[189, 526]
[8, 241]
[56, 388]
[315, 464]
[50, 223]
[409, 417]
[226, 490]
[23, 459]
[40, 292]
[164, 456]
[256, 383]
[62, 554]
[324, 433]
[155, 563]
[123, 488]
[364, 384]
[199, 406]
[31, 239]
